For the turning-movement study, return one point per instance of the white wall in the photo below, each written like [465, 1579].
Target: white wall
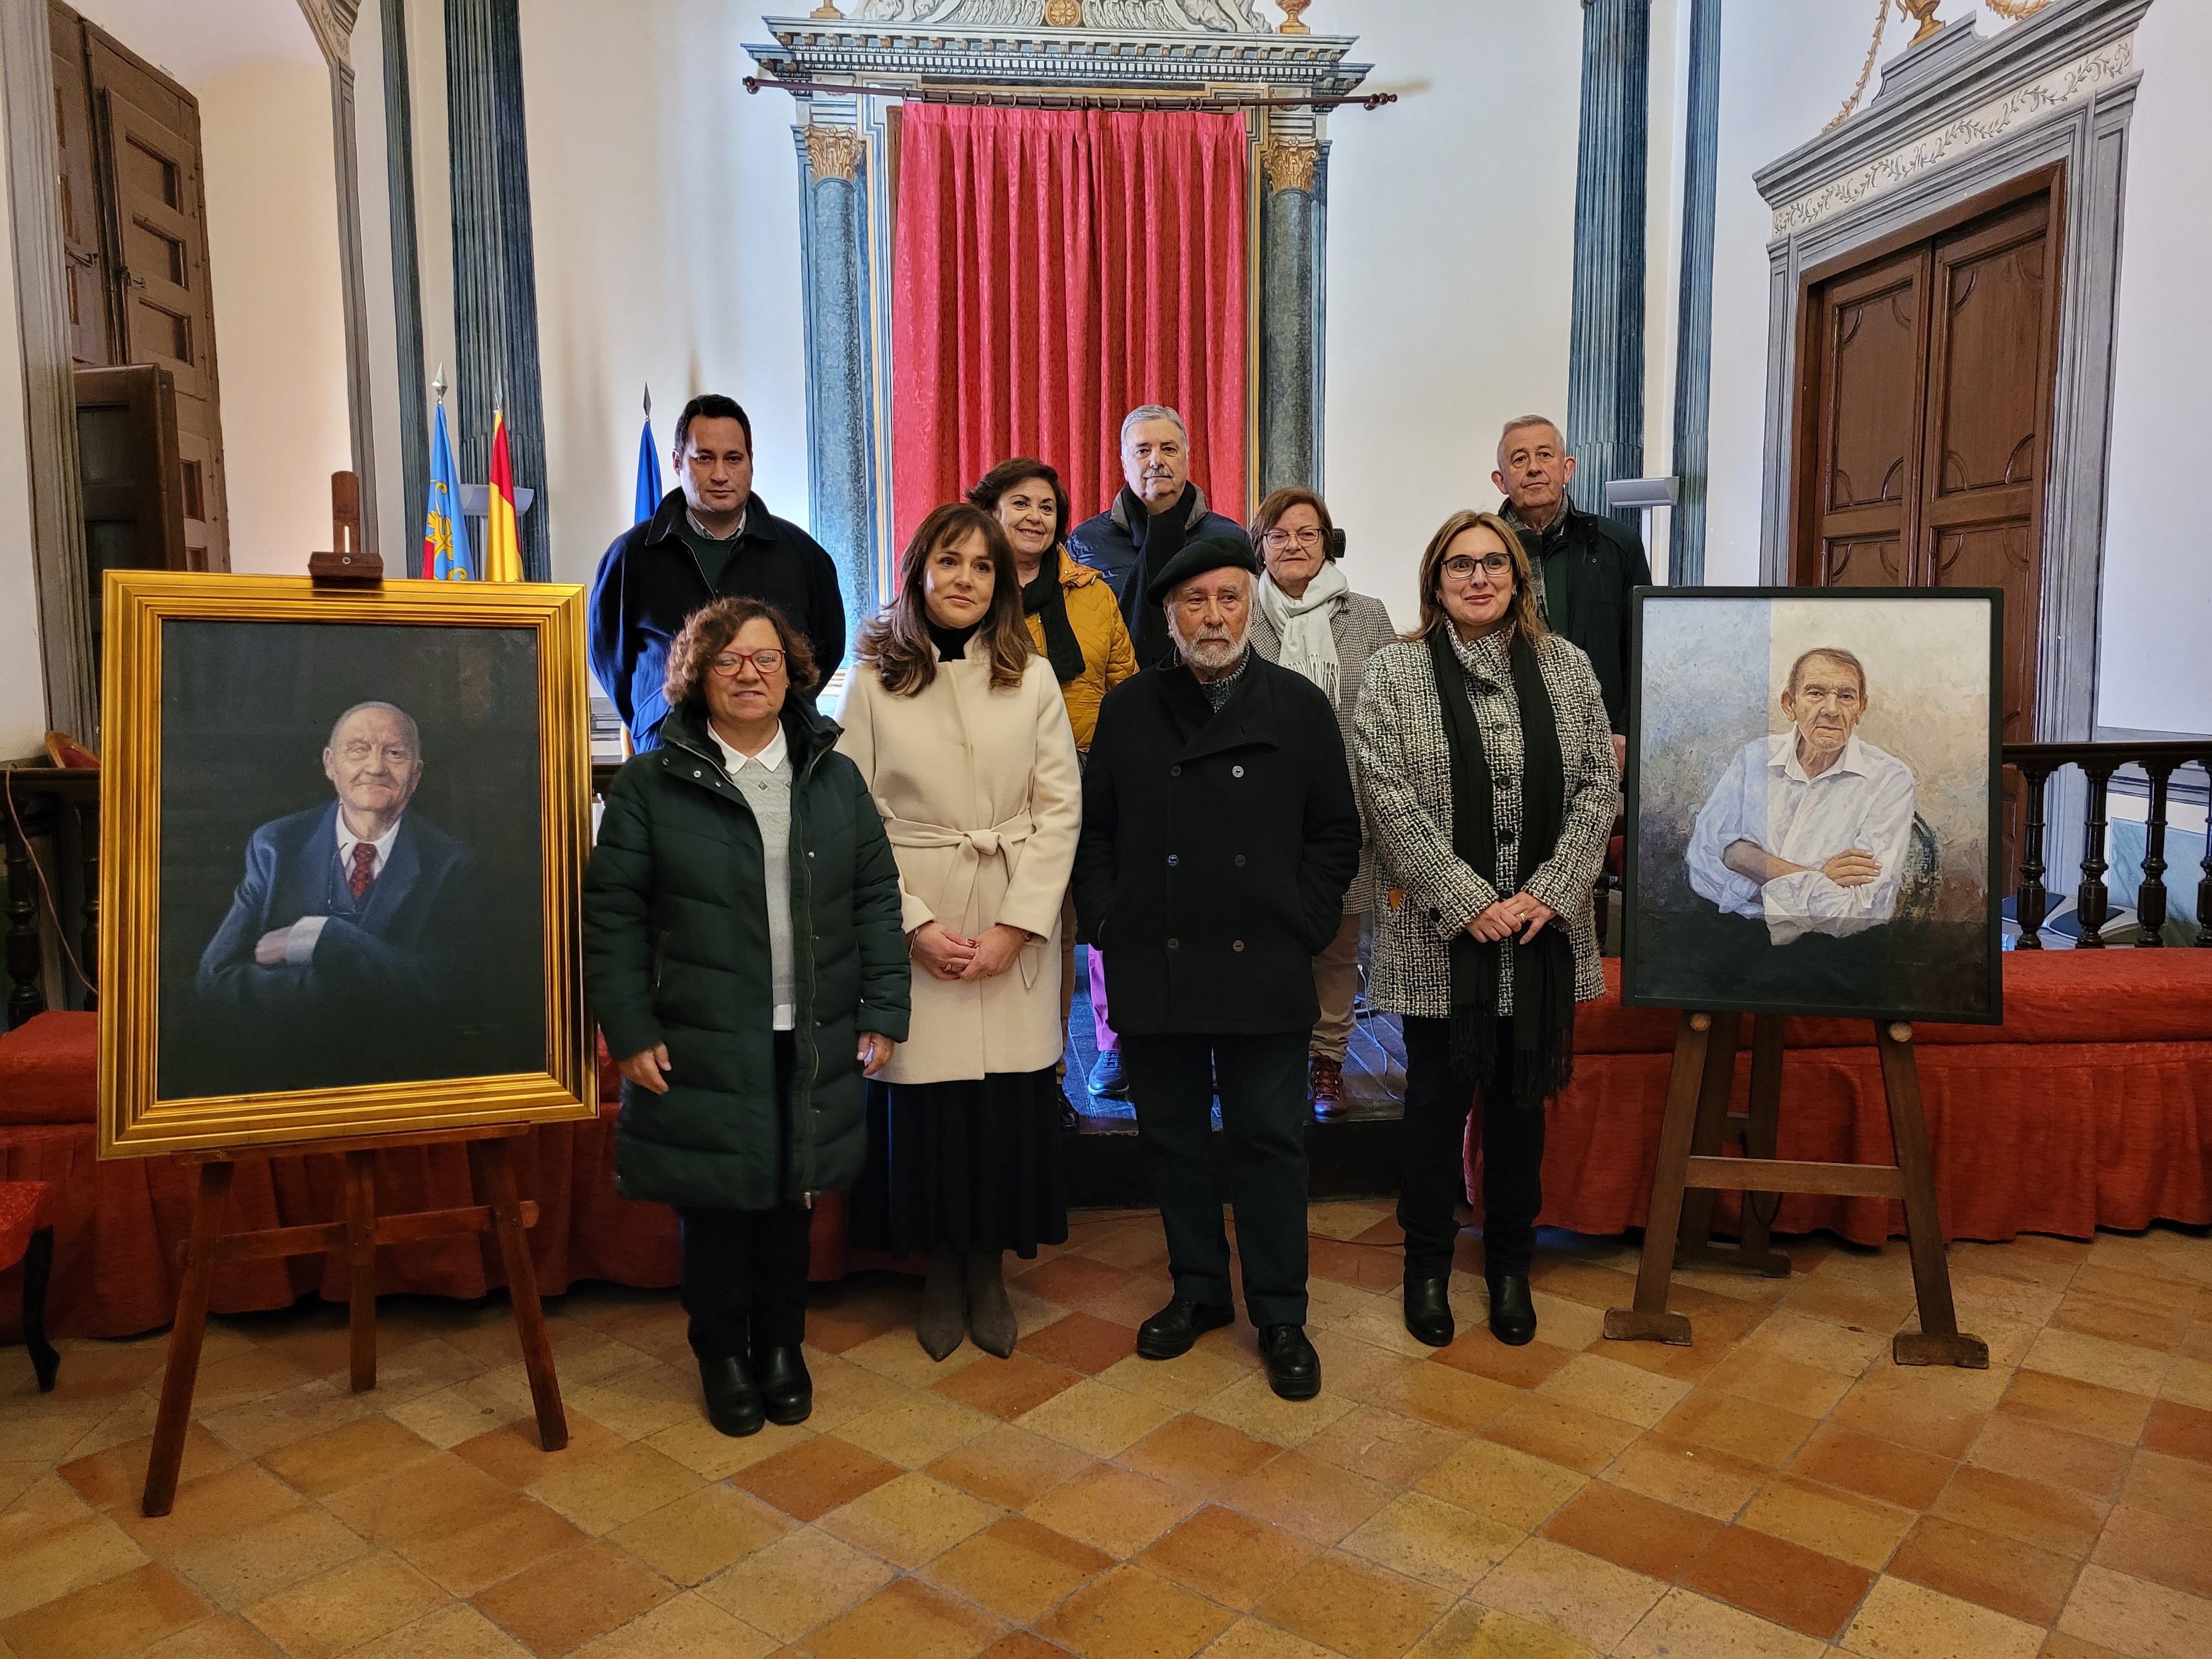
[2157, 602]
[279, 315]
[665, 206]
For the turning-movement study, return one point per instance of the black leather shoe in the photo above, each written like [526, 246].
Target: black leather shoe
[1428, 1309]
[1107, 1079]
[1293, 1367]
[1171, 1331]
[785, 1388]
[733, 1399]
[1512, 1314]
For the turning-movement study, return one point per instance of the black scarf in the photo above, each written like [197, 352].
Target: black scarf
[1045, 599]
[1543, 969]
[1158, 537]
[952, 643]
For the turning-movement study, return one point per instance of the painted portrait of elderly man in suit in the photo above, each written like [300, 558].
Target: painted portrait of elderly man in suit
[347, 949]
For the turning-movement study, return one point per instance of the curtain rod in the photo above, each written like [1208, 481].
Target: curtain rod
[1077, 99]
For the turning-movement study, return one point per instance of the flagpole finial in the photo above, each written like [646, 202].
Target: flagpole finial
[648, 400]
[438, 385]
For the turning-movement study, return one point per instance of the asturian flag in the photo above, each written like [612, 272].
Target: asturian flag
[446, 556]
[502, 542]
[648, 468]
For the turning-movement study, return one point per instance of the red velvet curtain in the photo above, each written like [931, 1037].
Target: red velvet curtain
[1054, 269]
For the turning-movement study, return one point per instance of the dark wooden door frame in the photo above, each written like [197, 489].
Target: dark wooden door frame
[1802, 509]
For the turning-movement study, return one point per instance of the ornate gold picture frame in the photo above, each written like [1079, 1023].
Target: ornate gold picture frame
[342, 851]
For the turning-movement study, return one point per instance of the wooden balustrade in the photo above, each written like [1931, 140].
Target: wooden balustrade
[47, 799]
[2037, 762]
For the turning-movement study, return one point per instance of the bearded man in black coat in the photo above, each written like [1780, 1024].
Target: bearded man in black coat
[1219, 834]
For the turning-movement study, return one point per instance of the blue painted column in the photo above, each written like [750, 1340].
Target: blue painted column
[1605, 361]
[1293, 220]
[840, 492]
[406, 283]
[495, 270]
[1694, 329]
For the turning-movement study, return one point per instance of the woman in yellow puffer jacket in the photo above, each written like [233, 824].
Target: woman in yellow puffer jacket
[1076, 623]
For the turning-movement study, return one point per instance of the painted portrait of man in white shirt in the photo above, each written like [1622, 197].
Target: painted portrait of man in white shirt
[1808, 830]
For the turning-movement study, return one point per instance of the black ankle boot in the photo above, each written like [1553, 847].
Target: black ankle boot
[1512, 1314]
[1428, 1308]
[733, 1399]
[787, 1391]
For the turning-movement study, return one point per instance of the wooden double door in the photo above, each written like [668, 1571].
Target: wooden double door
[1924, 435]
[135, 247]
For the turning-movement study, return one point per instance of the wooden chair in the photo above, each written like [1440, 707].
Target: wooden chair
[27, 1234]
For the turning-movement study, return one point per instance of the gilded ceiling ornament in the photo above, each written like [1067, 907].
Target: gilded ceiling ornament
[833, 152]
[1291, 165]
[2016, 10]
[1292, 9]
[827, 12]
[1865, 69]
[1063, 13]
[1922, 12]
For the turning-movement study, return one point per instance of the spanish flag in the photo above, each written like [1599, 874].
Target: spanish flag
[502, 561]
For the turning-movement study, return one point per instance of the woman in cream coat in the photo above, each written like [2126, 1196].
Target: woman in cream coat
[960, 729]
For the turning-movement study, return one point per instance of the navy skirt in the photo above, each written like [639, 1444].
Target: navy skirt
[981, 1163]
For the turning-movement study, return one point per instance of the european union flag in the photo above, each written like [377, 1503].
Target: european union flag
[446, 556]
[648, 468]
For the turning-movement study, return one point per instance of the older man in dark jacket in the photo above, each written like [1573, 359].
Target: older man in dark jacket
[1587, 565]
[1219, 834]
[1157, 512]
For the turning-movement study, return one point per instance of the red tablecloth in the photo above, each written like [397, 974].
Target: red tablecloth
[2090, 1106]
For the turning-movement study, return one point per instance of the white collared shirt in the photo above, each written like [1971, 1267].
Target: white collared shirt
[1863, 801]
[765, 780]
[299, 943]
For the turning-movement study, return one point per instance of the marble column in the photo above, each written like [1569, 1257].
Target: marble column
[1693, 330]
[841, 481]
[495, 281]
[1293, 218]
[1605, 361]
[406, 284]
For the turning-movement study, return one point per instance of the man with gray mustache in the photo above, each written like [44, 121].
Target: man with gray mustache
[1219, 834]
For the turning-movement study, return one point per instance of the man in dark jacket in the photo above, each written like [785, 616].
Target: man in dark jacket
[1157, 511]
[1219, 835]
[1587, 564]
[711, 538]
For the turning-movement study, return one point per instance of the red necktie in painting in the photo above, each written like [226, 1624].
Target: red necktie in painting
[364, 868]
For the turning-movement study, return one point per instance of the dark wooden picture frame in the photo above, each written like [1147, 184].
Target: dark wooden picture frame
[1638, 970]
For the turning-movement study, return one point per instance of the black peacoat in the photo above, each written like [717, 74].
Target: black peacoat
[1216, 850]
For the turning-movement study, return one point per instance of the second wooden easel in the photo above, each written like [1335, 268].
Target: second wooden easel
[1690, 1169]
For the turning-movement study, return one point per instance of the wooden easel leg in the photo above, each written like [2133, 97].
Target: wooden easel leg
[184, 1337]
[38, 1271]
[522, 1291]
[1939, 1340]
[360, 1265]
[1754, 1249]
[1649, 1320]
[1694, 1239]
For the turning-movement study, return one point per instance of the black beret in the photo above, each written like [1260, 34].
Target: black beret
[1205, 554]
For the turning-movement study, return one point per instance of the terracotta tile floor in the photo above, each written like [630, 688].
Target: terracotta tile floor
[1778, 1489]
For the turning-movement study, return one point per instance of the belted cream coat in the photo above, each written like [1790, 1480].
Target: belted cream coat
[981, 798]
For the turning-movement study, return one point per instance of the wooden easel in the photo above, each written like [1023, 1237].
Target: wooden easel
[1690, 1169]
[358, 1235]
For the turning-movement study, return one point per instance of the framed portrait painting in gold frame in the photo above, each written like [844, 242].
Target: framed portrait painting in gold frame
[341, 848]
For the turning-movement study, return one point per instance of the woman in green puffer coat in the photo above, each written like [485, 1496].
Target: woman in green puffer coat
[744, 955]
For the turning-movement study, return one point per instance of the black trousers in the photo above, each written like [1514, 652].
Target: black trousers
[745, 1271]
[1434, 1177]
[1264, 1112]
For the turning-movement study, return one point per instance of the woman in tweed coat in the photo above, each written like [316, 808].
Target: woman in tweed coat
[1486, 777]
[1307, 618]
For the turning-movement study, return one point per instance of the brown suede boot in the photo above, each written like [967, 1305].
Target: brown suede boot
[1325, 1081]
[990, 1315]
